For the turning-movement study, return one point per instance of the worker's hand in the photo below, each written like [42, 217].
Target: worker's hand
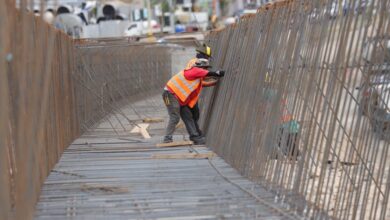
[220, 73]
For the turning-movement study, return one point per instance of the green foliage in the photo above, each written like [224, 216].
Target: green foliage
[223, 4]
[164, 6]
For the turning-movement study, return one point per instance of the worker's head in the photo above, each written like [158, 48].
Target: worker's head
[203, 51]
[202, 63]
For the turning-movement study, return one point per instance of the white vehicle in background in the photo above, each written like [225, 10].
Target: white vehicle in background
[335, 9]
[230, 20]
[141, 28]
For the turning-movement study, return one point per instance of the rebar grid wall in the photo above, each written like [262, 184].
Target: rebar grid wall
[290, 111]
[116, 74]
[48, 98]
[37, 119]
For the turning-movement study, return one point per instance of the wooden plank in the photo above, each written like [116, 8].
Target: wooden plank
[152, 120]
[95, 187]
[141, 128]
[184, 156]
[175, 144]
[180, 124]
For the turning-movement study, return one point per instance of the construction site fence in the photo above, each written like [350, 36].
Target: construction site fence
[53, 90]
[303, 107]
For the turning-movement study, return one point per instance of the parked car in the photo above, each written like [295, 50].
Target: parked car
[370, 92]
[141, 28]
[375, 89]
[376, 51]
[230, 20]
[375, 102]
[381, 112]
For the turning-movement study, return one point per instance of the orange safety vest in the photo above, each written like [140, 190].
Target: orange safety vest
[183, 87]
[194, 100]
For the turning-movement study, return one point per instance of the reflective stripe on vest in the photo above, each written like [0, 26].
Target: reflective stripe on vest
[194, 100]
[182, 87]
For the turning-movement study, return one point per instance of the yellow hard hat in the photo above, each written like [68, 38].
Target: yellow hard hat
[204, 49]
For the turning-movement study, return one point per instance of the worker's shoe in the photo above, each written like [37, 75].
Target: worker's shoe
[198, 140]
[168, 139]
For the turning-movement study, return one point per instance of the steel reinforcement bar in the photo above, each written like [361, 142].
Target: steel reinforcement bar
[38, 118]
[111, 75]
[304, 106]
[52, 90]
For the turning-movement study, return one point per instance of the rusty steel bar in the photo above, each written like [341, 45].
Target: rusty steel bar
[303, 106]
[117, 75]
[53, 89]
[37, 120]
[5, 176]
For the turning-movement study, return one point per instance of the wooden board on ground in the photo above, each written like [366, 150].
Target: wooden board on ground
[180, 124]
[175, 144]
[184, 156]
[152, 120]
[141, 128]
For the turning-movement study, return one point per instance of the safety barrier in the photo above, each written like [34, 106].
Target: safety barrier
[303, 106]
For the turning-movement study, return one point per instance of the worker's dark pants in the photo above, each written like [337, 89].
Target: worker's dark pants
[173, 108]
[190, 117]
[288, 142]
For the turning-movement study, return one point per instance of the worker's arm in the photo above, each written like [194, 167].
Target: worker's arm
[198, 73]
[211, 78]
[209, 81]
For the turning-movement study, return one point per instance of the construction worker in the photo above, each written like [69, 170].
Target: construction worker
[181, 95]
[202, 52]
[288, 132]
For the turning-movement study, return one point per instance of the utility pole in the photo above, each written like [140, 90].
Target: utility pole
[171, 15]
[149, 14]
[341, 8]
